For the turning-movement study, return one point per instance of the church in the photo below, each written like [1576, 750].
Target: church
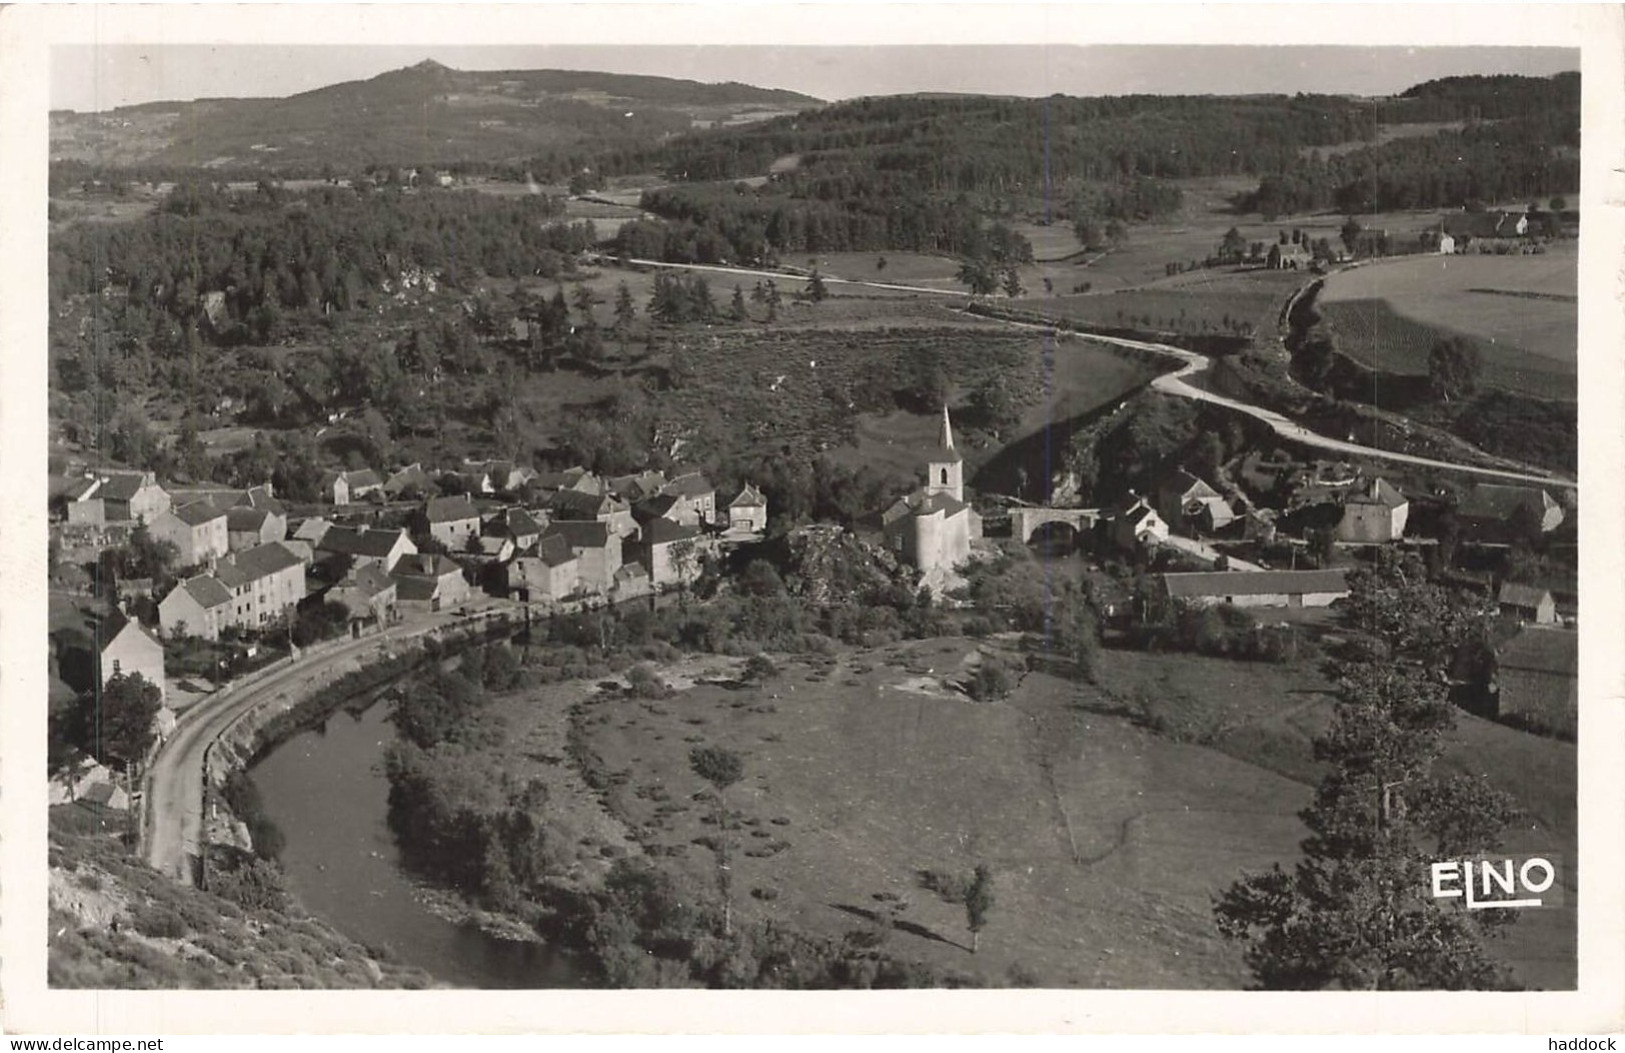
[932, 528]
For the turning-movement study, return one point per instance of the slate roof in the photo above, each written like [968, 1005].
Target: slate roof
[690, 484]
[427, 565]
[409, 587]
[1499, 501]
[1182, 482]
[197, 513]
[244, 519]
[259, 497]
[1525, 597]
[656, 507]
[749, 496]
[1377, 492]
[1255, 583]
[369, 580]
[251, 565]
[665, 532]
[411, 475]
[454, 509]
[580, 533]
[515, 522]
[554, 550]
[121, 486]
[575, 504]
[639, 486]
[207, 590]
[352, 542]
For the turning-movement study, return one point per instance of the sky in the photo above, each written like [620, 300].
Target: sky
[88, 78]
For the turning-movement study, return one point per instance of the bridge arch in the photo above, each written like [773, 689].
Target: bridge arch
[1024, 522]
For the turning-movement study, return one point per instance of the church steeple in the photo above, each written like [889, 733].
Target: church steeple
[945, 470]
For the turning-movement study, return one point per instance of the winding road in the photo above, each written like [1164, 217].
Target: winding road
[1178, 385]
[174, 783]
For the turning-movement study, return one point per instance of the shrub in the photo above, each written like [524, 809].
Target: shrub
[151, 919]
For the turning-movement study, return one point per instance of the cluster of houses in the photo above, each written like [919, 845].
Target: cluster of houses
[1498, 231]
[573, 536]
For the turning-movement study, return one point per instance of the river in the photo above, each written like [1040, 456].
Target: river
[326, 789]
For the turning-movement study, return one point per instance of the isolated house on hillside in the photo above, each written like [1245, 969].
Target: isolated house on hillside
[198, 531]
[1467, 228]
[1527, 603]
[128, 649]
[1376, 512]
[1288, 257]
[748, 511]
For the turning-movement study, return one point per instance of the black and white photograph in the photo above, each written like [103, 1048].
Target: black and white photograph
[517, 511]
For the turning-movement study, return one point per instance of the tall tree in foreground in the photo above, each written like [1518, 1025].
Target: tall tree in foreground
[1454, 366]
[1355, 913]
[978, 901]
[721, 768]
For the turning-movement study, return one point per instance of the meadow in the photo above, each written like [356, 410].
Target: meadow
[1521, 311]
[1110, 815]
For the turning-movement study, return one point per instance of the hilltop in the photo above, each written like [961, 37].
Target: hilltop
[427, 113]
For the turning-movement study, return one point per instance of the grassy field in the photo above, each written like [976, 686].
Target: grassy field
[862, 770]
[1219, 302]
[1389, 315]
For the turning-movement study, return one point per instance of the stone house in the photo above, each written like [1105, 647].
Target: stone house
[596, 546]
[128, 648]
[1527, 603]
[671, 552]
[199, 606]
[748, 511]
[450, 521]
[198, 531]
[1375, 512]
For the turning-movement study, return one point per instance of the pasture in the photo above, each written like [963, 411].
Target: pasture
[865, 768]
[1211, 301]
[1520, 310]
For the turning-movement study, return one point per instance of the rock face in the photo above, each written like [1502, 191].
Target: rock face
[826, 563]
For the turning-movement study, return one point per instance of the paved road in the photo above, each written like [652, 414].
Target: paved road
[175, 780]
[1175, 384]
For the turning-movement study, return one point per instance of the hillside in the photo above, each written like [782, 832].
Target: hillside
[424, 114]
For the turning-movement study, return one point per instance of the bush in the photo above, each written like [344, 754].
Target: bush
[646, 683]
[151, 919]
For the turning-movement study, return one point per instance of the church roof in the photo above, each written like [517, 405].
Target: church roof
[944, 450]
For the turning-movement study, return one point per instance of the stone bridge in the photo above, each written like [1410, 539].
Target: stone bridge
[1025, 521]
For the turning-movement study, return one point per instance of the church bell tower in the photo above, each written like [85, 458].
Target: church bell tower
[945, 470]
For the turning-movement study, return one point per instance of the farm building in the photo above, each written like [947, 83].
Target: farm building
[1466, 228]
[1268, 588]
[1527, 604]
[1288, 257]
[341, 488]
[1537, 679]
[1500, 505]
[1376, 512]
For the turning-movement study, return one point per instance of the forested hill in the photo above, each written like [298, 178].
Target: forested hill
[1483, 98]
[424, 114]
[975, 144]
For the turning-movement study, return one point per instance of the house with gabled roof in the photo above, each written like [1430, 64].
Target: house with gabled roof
[671, 552]
[1187, 501]
[638, 487]
[248, 527]
[696, 494]
[127, 649]
[411, 481]
[595, 545]
[450, 521]
[369, 594]
[551, 575]
[430, 582]
[79, 501]
[1265, 588]
[1537, 679]
[343, 488]
[199, 606]
[131, 497]
[363, 545]
[1132, 523]
[578, 506]
[1373, 512]
[577, 478]
[1527, 603]
[516, 524]
[197, 530]
[1497, 505]
[266, 583]
[748, 511]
